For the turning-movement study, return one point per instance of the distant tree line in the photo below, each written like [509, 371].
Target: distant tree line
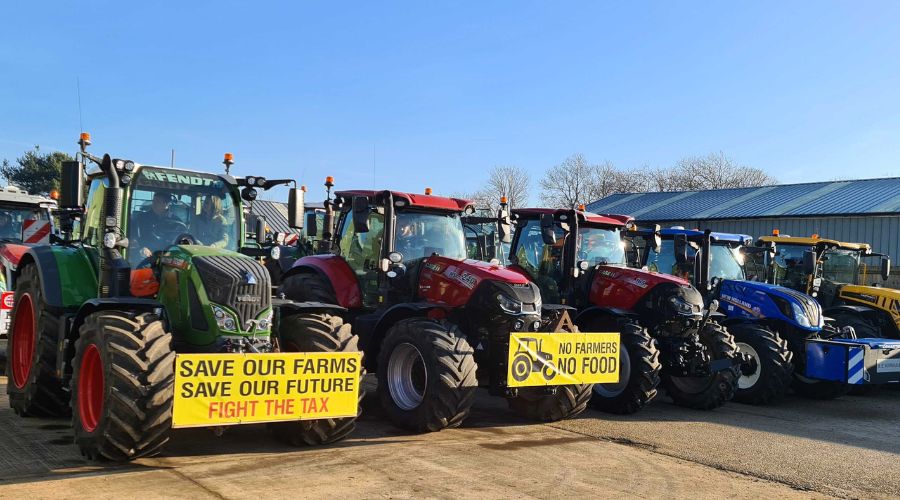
[576, 180]
[35, 171]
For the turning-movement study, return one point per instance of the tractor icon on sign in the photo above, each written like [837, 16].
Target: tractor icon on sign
[531, 358]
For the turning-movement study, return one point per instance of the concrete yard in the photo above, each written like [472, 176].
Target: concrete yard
[846, 448]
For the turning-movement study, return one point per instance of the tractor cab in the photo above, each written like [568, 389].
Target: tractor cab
[556, 248]
[833, 272]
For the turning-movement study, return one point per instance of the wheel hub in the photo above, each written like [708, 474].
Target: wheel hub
[23, 341]
[750, 371]
[407, 377]
[90, 388]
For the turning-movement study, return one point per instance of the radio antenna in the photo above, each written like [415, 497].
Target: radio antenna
[78, 93]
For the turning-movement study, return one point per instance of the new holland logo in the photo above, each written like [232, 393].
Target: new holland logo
[249, 278]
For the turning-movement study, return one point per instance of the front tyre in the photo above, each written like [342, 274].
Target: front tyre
[770, 371]
[32, 384]
[316, 333]
[122, 385]
[713, 391]
[639, 369]
[534, 403]
[426, 375]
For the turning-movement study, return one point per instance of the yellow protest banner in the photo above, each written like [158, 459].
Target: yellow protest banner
[538, 359]
[228, 389]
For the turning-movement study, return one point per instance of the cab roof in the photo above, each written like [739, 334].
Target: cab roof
[604, 219]
[670, 232]
[415, 200]
[801, 240]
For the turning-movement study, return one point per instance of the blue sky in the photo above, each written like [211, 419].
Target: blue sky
[443, 92]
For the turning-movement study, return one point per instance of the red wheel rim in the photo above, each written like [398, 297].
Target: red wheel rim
[23, 341]
[90, 388]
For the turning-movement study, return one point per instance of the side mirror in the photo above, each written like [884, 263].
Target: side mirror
[312, 229]
[260, 230]
[681, 252]
[295, 208]
[885, 268]
[361, 214]
[548, 233]
[809, 262]
[71, 192]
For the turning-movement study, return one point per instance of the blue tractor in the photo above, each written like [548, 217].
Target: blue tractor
[783, 331]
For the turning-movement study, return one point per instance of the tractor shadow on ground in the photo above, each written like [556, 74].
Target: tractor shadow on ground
[864, 421]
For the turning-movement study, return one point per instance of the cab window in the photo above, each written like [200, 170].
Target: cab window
[543, 262]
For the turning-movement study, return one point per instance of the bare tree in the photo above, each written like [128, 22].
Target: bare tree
[509, 181]
[571, 182]
[713, 171]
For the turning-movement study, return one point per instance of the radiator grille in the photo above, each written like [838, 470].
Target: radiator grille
[239, 283]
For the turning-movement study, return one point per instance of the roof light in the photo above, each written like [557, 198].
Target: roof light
[428, 191]
[503, 200]
[303, 188]
[775, 232]
[815, 236]
[229, 157]
[581, 207]
[85, 138]
[329, 181]
[54, 195]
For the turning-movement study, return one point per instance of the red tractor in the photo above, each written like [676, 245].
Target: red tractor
[578, 258]
[433, 325]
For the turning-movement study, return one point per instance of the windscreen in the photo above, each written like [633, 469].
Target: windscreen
[420, 235]
[841, 266]
[598, 245]
[725, 262]
[12, 218]
[168, 205]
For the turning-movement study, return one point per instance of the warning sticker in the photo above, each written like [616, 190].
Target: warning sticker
[228, 389]
[537, 359]
[6, 307]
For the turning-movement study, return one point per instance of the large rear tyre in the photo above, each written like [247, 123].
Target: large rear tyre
[862, 327]
[310, 287]
[639, 368]
[534, 403]
[122, 386]
[771, 370]
[316, 333]
[426, 375]
[32, 385]
[707, 393]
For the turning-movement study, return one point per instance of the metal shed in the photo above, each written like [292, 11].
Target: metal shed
[866, 210]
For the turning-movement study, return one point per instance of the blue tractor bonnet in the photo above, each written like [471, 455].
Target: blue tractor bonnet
[752, 300]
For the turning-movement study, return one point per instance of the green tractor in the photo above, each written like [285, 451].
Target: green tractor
[146, 275]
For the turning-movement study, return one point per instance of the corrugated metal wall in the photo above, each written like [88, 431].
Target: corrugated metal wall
[882, 232]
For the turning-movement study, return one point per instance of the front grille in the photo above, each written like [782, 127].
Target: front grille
[809, 305]
[229, 281]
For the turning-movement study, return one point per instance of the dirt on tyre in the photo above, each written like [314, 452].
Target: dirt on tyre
[122, 385]
[713, 391]
[639, 368]
[426, 375]
[535, 403]
[316, 333]
[32, 385]
[771, 370]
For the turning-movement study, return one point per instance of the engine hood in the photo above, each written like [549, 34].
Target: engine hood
[451, 281]
[623, 287]
[757, 301]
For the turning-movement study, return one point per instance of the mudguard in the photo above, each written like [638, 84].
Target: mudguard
[68, 278]
[335, 270]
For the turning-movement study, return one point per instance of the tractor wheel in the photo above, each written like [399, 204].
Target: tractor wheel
[426, 375]
[639, 368]
[771, 370]
[308, 287]
[534, 403]
[707, 393]
[863, 327]
[316, 333]
[122, 385]
[32, 384]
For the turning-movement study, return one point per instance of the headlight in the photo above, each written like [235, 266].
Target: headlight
[508, 304]
[266, 322]
[682, 306]
[224, 319]
[109, 240]
[275, 252]
[800, 315]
